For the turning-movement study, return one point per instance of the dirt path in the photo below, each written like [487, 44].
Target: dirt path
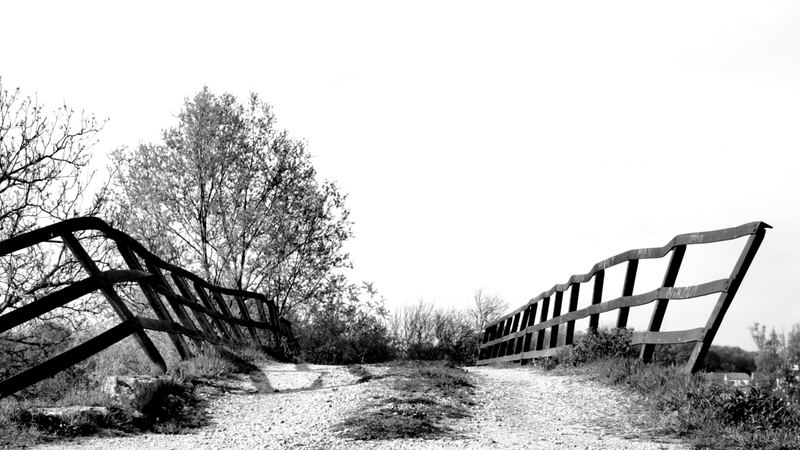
[516, 408]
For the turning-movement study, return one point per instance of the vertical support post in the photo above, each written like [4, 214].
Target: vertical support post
[556, 313]
[221, 325]
[177, 307]
[262, 314]
[116, 302]
[646, 355]
[246, 316]
[223, 306]
[200, 317]
[522, 325]
[272, 309]
[597, 296]
[542, 318]
[152, 298]
[718, 313]
[512, 342]
[502, 332]
[627, 291]
[531, 321]
[574, 292]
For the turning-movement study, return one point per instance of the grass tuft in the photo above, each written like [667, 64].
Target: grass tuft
[424, 396]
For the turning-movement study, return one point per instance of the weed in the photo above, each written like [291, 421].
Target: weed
[425, 396]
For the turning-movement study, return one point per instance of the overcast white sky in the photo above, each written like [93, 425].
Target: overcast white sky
[495, 145]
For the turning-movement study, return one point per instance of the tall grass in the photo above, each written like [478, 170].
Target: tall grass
[706, 413]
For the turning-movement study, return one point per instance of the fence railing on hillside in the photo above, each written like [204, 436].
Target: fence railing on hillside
[203, 311]
[518, 337]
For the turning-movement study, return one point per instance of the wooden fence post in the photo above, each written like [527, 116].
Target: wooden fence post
[646, 355]
[597, 296]
[574, 293]
[627, 290]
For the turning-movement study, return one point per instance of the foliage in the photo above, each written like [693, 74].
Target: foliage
[729, 359]
[345, 329]
[228, 194]
[778, 361]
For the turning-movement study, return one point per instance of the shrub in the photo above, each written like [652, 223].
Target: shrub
[593, 345]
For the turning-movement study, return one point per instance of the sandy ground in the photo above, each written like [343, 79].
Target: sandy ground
[517, 407]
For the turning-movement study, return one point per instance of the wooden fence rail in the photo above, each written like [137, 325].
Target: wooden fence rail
[517, 337]
[202, 309]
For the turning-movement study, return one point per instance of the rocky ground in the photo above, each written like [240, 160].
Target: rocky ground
[299, 406]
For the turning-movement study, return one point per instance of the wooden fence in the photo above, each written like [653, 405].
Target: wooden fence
[517, 336]
[203, 310]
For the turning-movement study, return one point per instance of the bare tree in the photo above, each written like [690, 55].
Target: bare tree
[43, 179]
[486, 308]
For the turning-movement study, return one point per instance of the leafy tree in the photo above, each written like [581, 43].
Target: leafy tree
[233, 197]
[346, 329]
[770, 359]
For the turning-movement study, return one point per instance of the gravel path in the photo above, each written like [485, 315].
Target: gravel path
[516, 408]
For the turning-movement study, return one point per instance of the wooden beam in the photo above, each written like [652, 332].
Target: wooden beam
[68, 358]
[661, 306]
[574, 294]
[627, 291]
[556, 313]
[597, 297]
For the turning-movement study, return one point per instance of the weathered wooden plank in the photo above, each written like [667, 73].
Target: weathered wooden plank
[556, 313]
[172, 327]
[533, 354]
[574, 294]
[652, 253]
[627, 290]
[528, 332]
[542, 318]
[547, 352]
[65, 295]
[597, 296]
[661, 306]
[667, 337]
[66, 359]
[673, 293]
[273, 319]
[721, 307]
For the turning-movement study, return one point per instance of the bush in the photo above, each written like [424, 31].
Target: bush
[593, 345]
